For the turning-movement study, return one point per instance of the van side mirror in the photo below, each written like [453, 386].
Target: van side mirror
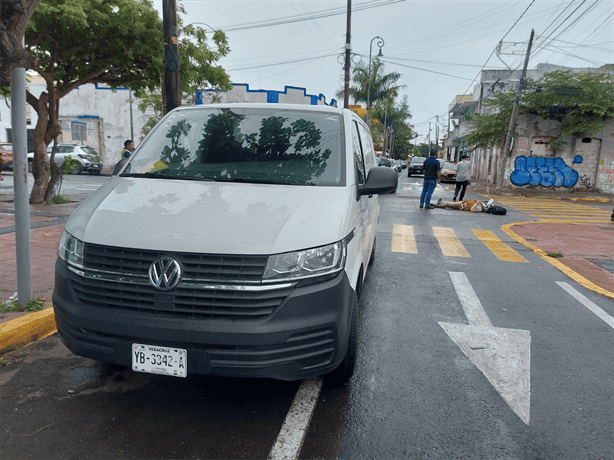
[380, 180]
[119, 166]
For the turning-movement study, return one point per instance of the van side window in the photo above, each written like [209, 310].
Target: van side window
[367, 148]
[358, 156]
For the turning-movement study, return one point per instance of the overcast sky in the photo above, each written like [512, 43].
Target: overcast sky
[438, 47]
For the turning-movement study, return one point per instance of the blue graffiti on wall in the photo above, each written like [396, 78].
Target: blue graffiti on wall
[544, 171]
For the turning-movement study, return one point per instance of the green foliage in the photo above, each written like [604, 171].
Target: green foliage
[70, 165]
[13, 305]
[490, 130]
[555, 145]
[579, 101]
[197, 71]
[383, 86]
[119, 43]
[59, 199]
[115, 42]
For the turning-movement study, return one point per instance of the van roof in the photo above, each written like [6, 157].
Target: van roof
[265, 105]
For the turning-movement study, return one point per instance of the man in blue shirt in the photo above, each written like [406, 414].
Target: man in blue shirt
[432, 174]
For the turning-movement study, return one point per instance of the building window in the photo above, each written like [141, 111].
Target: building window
[78, 131]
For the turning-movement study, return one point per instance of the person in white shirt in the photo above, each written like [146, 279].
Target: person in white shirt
[462, 177]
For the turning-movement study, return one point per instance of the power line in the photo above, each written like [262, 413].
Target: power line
[317, 15]
[282, 63]
[423, 70]
[493, 51]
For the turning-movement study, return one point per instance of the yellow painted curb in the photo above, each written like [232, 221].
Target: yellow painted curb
[562, 267]
[26, 329]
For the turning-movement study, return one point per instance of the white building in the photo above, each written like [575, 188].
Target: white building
[91, 115]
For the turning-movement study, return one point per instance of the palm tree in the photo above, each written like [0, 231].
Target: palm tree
[383, 86]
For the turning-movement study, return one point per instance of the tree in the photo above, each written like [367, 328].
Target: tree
[393, 115]
[192, 47]
[14, 17]
[383, 86]
[579, 101]
[114, 42]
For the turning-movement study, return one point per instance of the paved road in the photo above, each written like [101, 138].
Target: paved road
[77, 184]
[471, 347]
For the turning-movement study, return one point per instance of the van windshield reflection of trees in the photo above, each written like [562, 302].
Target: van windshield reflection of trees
[302, 148]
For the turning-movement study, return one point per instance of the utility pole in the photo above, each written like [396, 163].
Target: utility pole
[172, 86]
[19, 133]
[505, 154]
[348, 49]
[430, 138]
[437, 133]
[385, 131]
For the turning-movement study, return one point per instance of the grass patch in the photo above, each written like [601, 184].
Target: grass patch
[13, 305]
[59, 199]
[3, 362]
[554, 255]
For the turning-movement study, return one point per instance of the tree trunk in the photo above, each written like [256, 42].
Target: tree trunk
[47, 128]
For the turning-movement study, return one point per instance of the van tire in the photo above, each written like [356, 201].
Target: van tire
[372, 258]
[343, 373]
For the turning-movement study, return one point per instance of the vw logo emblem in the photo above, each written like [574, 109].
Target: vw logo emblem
[165, 273]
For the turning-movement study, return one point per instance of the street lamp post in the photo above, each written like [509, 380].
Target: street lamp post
[380, 43]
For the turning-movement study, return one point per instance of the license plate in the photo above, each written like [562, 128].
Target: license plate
[159, 360]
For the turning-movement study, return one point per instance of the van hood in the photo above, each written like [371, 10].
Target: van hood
[212, 217]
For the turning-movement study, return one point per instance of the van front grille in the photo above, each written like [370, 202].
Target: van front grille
[211, 267]
[213, 286]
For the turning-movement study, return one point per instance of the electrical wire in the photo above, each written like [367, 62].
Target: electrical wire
[318, 15]
[281, 63]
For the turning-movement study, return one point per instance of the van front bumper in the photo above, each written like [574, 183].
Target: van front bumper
[306, 335]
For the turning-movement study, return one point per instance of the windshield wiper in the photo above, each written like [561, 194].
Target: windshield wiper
[155, 175]
[264, 181]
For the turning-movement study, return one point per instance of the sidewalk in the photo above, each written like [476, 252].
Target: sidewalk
[587, 248]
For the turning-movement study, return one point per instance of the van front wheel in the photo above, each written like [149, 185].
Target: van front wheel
[343, 373]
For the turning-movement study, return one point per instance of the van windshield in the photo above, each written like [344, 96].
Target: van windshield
[269, 145]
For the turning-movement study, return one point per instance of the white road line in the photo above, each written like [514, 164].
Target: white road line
[292, 434]
[609, 320]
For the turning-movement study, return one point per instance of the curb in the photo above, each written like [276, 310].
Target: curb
[26, 329]
[562, 267]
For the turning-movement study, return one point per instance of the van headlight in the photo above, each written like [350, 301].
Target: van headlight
[70, 250]
[322, 261]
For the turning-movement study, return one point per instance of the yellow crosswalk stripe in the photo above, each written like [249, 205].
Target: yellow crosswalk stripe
[498, 247]
[403, 239]
[448, 242]
[555, 209]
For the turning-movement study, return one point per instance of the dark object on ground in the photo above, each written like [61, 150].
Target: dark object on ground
[494, 209]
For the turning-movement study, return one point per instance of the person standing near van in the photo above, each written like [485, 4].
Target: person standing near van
[462, 177]
[432, 174]
[128, 148]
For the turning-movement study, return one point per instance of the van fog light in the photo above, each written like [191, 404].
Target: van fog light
[303, 264]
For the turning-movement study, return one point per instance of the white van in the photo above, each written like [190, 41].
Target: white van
[234, 242]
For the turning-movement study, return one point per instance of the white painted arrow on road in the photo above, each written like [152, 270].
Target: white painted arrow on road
[503, 355]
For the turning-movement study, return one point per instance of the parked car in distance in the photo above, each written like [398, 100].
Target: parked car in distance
[6, 156]
[448, 172]
[86, 156]
[388, 163]
[416, 166]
